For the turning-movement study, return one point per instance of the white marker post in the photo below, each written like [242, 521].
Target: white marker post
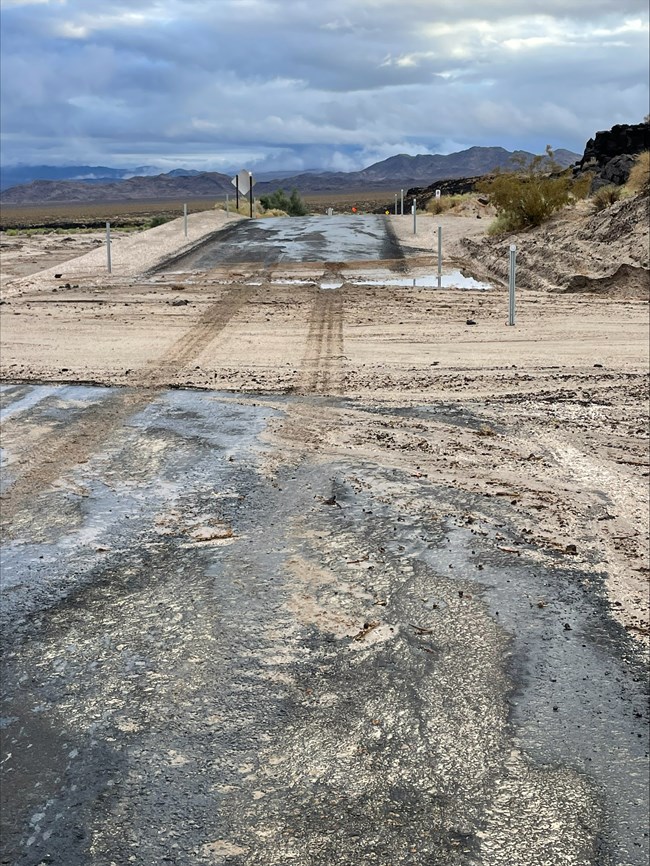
[511, 286]
[227, 205]
[415, 216]
[185, 218]
[439, 253]
[108, 248]
[402, 207]
[395, 204]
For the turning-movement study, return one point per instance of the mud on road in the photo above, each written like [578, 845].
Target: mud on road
[379, 599]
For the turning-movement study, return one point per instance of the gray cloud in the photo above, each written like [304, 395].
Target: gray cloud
[287, 82]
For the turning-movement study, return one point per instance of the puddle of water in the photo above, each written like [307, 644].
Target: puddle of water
[34, 396]
[292, 282]
[331, 285]
[67, 396]
[452, 280]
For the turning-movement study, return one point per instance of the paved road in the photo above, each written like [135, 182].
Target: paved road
[296, 239]
[218, 650]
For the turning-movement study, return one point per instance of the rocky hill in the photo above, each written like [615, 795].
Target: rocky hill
[398, 171]
[611, 153]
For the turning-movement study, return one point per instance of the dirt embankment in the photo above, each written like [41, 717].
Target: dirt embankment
[603, 253]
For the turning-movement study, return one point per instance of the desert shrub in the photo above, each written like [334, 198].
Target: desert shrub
[581, 187]
[639, 179]
[446, 202]
[158, 221]
[296, 204]
[530, 194]
[502, 225]
[279, 200]
[605, 196]
[244, 207]
[439, 205]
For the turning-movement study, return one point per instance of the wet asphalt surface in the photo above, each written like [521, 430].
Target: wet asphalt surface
[294, 239]
[332, 663]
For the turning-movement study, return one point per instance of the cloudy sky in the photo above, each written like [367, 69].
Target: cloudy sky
[337, 84]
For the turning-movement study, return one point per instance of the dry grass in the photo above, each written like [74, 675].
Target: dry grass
[639, 179]
[448, 203]
[605, 197]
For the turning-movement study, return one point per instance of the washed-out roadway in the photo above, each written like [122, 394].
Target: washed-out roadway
[264, 629]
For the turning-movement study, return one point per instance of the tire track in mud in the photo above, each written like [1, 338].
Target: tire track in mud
[188, 347]
[321, 364]
[307, 424]
[73, 444]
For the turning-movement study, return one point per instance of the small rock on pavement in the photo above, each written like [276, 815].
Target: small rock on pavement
[211, 533]
[178, 302]
[470, 322]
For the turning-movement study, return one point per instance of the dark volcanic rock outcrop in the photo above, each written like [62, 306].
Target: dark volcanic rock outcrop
[610, 154]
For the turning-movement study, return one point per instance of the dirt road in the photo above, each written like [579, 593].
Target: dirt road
[377, 595]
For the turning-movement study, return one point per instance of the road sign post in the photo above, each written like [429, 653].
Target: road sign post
[244, 183]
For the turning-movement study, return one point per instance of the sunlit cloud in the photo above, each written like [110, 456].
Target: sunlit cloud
[305, 85]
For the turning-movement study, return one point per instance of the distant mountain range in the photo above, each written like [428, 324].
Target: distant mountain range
[49, 184]
[15, 175]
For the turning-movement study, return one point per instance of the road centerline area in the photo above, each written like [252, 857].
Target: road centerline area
[296, 239]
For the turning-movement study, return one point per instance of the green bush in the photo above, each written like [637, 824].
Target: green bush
[605, 196]
[279, 200]
[158, 221]
[530, 194]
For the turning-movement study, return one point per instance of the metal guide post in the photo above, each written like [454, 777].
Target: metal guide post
[402, 200]
[108, 248]
[511, 284]
[415, 216]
